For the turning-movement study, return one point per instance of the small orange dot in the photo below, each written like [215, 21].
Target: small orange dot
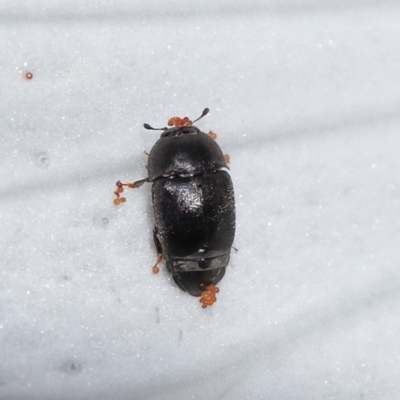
[119, 201]
[156, 270]
[212, 135]
[28, 75]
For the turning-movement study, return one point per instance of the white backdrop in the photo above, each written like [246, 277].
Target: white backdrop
[304, 97]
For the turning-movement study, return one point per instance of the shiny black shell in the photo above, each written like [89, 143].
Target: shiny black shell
[194, 207]
[184, 151]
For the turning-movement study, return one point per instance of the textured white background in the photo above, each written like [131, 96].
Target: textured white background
[305, 97]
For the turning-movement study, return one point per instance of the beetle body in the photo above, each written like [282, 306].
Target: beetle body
[194, 206]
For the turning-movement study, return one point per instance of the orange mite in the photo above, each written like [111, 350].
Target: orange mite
[177, 121]
[208, 297]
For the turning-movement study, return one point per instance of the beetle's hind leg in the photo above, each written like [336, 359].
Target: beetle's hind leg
[120, 189]
[157, 242]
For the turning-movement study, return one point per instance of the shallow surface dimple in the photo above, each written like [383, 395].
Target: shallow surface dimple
[41, 159]
[71, 367]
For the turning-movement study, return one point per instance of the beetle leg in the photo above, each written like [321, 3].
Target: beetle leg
[156, 270]
[120, 189]
[214, 136]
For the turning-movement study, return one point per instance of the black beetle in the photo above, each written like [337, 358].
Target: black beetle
[193, 205]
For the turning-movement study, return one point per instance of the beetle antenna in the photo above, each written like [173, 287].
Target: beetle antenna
[147, 126]
[203, 114]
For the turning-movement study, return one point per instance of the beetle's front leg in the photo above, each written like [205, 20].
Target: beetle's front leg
[120, 189]
[157, 242]
[213, 136]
